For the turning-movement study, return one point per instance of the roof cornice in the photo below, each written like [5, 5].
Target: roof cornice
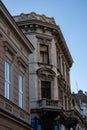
[64, 46]
[4, 12]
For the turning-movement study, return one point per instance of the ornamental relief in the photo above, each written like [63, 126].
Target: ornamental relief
[45, 77]
[46, 73]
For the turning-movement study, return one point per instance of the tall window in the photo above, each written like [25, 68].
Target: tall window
[58, 61]
[44, 56]
[7, 80]
[46, 89]
[65, 99]
[67, 76]
[63, 67]
[20, 80]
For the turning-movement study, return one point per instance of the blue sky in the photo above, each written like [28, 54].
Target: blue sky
[71, 16]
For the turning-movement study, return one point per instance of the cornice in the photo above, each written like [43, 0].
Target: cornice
[34, 25]
[37, 22]
[12, 24]
[34, 16]
[62, 43]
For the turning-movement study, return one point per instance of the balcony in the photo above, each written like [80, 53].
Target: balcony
[72, 118]
[49, 108]
[51, 104]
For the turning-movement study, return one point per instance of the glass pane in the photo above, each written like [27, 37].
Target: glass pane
[39, 127]
[44, 54]
[55, 127]
[33, 122]
[41, 58]
[43, 48]
[7, 79]
[7, 71]
[20, 83]
[20, 100]
[7, 90]
[45, 58]
[20, 78]
[46, 89]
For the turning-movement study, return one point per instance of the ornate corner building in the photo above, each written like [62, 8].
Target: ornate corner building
[51, 103]
[41, 78]
[14, 73]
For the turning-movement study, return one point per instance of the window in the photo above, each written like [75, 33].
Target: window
[60, 94]
[46, 89]
[58, 61]
[67, 76]
[7, 80]
[20, 80]
[44, 57]
[65, 100]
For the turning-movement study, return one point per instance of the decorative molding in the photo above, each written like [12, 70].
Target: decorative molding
[46, 73]
[8, 107]
[22, 63]
[34, 16]
[43, 38]
[8, 47]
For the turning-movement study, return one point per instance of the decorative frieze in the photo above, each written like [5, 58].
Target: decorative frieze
[12, 108]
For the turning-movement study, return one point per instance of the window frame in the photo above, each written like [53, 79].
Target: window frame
[44, 94]
[58, 60]
[20, 89]
[8, 82]
[44, 54]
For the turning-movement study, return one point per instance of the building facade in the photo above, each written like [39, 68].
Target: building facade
[51, 103]
[14, 74]
[81, 101]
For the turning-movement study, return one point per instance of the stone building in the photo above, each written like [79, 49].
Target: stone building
[51, 103]
[14, 74]
[81, 101]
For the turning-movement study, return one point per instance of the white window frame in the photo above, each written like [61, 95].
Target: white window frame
[7, 79]
[20, 87]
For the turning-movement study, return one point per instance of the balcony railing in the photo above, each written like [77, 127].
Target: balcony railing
[48, 103]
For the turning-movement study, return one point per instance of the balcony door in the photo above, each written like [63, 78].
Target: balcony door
[46, 89]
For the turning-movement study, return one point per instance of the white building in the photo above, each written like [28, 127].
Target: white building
[50, 93]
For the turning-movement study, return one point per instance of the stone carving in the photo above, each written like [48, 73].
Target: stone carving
[34, 16]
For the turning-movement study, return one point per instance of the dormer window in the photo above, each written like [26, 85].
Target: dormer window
[44, 55]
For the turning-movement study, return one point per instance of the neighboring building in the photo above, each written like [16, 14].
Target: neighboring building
[51, 102]
[81, 101]
[14, 74]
